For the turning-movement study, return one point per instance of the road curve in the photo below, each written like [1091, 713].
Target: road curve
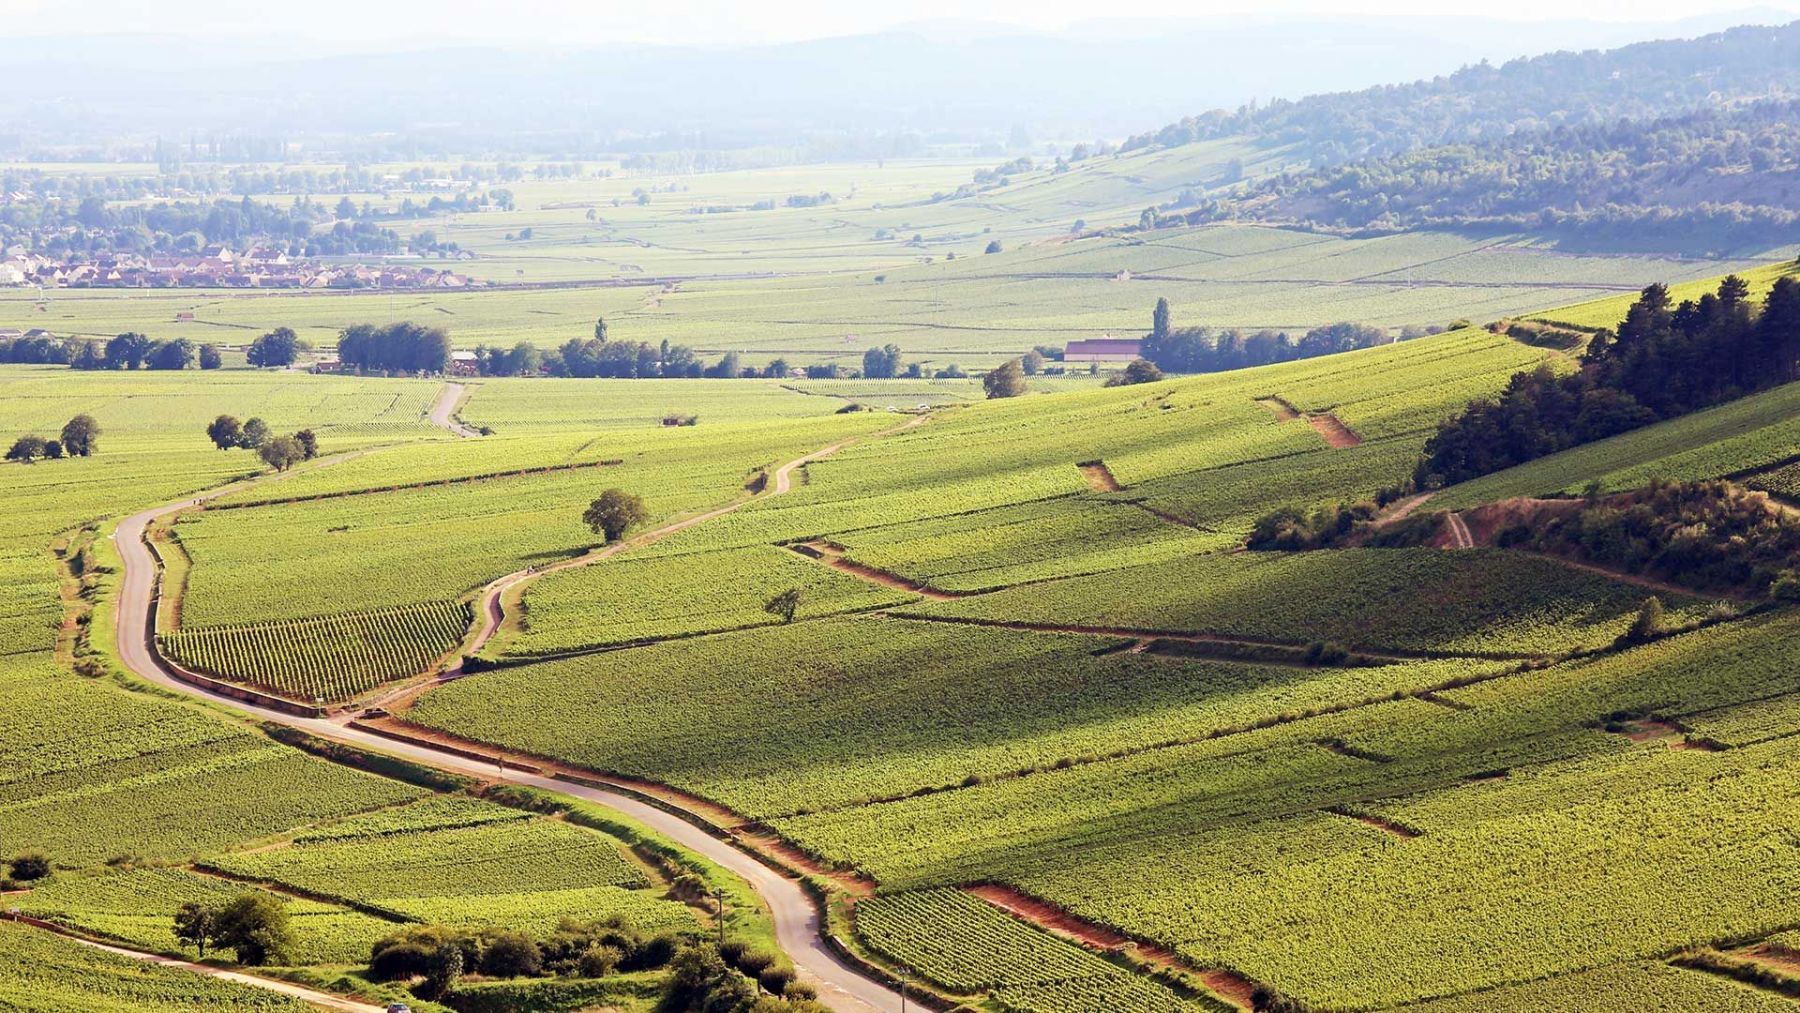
[323, 1000]
[796, 918]
[443, 411]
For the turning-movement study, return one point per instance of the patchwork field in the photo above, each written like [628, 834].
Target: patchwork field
[1025, 654]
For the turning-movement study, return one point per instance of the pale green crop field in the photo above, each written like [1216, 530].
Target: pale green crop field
[886, 261]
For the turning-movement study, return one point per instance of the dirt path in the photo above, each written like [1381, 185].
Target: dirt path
[323, 1000]
[1129, 633]
[443, 411]
[1400, 510]
[833, 556]
[1099, 476]
[1284, 412]
[1459, 532]
[1057, 921]
[796, 917]
[1334, 431]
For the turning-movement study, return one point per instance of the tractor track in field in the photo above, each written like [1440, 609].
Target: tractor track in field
[841, 984]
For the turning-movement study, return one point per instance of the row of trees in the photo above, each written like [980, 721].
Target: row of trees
[398, 348]
[130, 350]
[1664, 361]
[80, 438]
[1201, 350]
[278, 452]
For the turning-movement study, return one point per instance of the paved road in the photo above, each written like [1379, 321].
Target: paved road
[443, 411]
[840, 986]
[323, 1000]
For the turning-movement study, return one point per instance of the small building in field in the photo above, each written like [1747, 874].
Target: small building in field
[464, 364]
[1103, 350]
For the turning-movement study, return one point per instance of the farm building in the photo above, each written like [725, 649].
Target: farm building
[1102, 350]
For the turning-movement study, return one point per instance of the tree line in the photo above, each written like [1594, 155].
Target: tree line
[278, 452]
[80, 437]
[130, 350]
[1203, 350]
[1664, 361]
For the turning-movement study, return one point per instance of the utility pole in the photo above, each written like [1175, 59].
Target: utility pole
[905, 979]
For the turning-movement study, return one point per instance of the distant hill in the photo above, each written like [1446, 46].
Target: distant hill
[1525, 96]
[484, 93]
[1713, 179]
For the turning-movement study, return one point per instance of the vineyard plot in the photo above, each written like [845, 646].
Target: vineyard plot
[330, 657]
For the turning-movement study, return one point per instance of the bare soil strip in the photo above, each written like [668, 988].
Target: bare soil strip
[1231, 987]
[1099, 476]
[1283, 411]
[833, 556]
[1387, 826]
[1334, 431]
[323, 1000]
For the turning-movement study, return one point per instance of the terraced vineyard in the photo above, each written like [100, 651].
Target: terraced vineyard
[328, 658]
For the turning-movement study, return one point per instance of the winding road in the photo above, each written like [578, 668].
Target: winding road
[796, 917]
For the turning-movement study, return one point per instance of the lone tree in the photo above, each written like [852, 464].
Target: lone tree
[1159, 320]
[1032, 362]
[26, 448]
[81, 436]
[1005, 380]
[225, 432]
[308, 443]
[255, 434]
[279, 347]
[600, 329]
[195, 925]
[1649, 624]
[210, 357]
[282, 452]
[29, 867]
[614, 513]
[256, 926]
[784, 604]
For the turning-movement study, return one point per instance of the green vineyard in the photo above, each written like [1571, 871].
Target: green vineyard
[970, 947]
[330, 657]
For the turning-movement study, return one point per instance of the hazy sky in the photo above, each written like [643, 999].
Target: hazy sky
[365, 23]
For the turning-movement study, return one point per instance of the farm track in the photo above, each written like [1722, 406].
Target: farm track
[443, 411]
[1459, 532]
[796, 917]
[323, 1000]
[833, 556]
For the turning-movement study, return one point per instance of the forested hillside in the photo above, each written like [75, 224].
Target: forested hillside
[1722, 176]
[1486, 102]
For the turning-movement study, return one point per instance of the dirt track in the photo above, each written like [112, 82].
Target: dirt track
[443, 411]
[1333, 431]
[323, 1000]
[796, 918]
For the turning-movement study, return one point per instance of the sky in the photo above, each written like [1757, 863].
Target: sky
[362, 24]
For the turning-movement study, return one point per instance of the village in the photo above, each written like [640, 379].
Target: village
[219, 267]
